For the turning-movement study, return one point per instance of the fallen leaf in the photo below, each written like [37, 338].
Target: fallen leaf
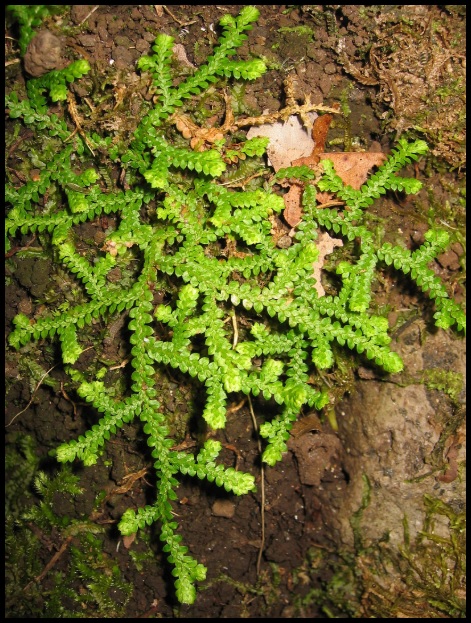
[319, 136]
[291, 145]
[199, 137]
[288, 141]
[353, 167]
[319, 132]
[128, 540]
[184, 125]
[325, 245]
[293, 211]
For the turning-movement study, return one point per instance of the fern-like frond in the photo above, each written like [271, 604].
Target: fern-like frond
[87, 447]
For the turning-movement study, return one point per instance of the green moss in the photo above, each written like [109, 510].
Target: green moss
[451, 383]
[91, 584]
[28, 18]
[301, 31]
[425, 578]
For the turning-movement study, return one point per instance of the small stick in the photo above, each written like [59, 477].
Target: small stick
[27, 246]
[262, 489]
[236, 331]
[259, 445]
[51, 563]
[180, 23]
[237, 407]
[32, 395]
[72, 106]
[91, 13]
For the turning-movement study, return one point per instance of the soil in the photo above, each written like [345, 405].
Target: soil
[311, 497]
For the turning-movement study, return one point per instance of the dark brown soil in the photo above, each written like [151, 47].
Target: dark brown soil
[222, 531]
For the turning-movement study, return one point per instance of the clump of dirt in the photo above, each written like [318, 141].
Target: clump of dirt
[44, 54]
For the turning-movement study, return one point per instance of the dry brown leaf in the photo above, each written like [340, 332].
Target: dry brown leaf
[205, 135]
[323, 198]
[293, 211]
[128, 540]
[319, 136]
[290, 145]
[353, 167]
[199, 137]
[319, 132]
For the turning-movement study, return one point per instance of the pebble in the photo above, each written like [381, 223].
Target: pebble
[223, 508]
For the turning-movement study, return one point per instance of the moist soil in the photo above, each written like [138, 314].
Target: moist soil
[335, 54]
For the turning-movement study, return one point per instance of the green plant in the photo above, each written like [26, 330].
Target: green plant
[211, 250]
[92, 582]
[29, 16]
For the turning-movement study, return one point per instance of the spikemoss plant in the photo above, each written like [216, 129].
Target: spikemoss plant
[186, 229]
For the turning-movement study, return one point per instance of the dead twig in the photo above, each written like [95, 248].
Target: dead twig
[66, 397]
[51, 563]
[72, 107]
[32, 395]
[18, 249]
[262, 488]
[24, 137]
[179, 22]
[237, 407]
[236, 331]
[91, 13]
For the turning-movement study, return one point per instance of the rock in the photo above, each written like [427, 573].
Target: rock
[223, 508]
[391, 433]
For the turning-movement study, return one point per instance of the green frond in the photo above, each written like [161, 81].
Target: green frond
[186, 569]
[277, 434]
[255, 146]
[302, 173]
[204, 467]
[383, 180]
[449, 314]
[71, 349]
[159, 66]
[247, 70]
[93, 278]
[217, 64]
[116, 414]
[131, 521]
[207, 162]
[55, 82]
[216, 404]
